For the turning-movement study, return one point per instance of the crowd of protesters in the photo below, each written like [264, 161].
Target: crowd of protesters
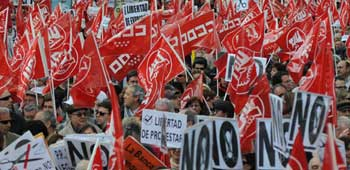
[36, 113]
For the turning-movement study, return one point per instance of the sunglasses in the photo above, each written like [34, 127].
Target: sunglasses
[100, 113]
[5, 122]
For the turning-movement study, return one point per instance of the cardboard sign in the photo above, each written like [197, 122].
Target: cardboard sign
[279, 140]
[229, 67]
[197, 147]
[241, 5]
[226, 145]
[80, 146]
[21, 141]
[59, 155]
[138, 157]
[151, 128]
[310, 113]
[38, 157]
[134, 11]
[266, 156]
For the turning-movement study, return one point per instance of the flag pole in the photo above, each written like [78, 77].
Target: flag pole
[217, 72]
[97, 144]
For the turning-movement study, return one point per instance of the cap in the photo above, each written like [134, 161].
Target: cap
[343, 105]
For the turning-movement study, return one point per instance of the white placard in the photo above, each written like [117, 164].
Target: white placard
[241, 5]
[279, 140]
[151, 128]
[59, 154]
[229, 67]
[134, 11]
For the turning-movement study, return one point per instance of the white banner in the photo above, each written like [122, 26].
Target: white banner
[241, 5]
[80, 146]
[279, 140]
[59, 154]
[151, 128]
[266, 156]
[196, 150]
[310, 113]
[134, 11]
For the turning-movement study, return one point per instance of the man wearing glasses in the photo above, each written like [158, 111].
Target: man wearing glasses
[5, 125]
[103, 114]
[78, 118]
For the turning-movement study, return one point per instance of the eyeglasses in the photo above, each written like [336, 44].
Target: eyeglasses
[100, 113]
[5, 122]
[80, 114]
[180, 75]
[199, 68]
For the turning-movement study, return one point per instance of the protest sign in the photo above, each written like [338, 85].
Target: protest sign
[21, 141]
[226, 146]
[151, 128]
[279, 140]
[32, 155]
[241, 5]
[138, 157]
[197, 147]
[310, 113]
[134, 11]
[266, 156]
[260, 64]
[80, 146]
[59, 155]
[229, 67]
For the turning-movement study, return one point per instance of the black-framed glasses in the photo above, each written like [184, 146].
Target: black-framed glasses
[6, 98]
[5, 122]
[100, 113]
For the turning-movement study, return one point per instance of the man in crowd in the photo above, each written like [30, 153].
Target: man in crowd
[5, 125]
[103, 114]
[48, 118]
[133, 97]
[77, 119]
[343, 70]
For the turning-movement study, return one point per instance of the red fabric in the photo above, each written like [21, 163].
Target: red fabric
[116, 130]
[20, 25]
[90, 77]
[195, 88]
[67, 66]
[156, 26]
[257, 106]
[5, 69]
[57, 13]
[97, 160]
[295, 35]
[45, 6]
[249, 36]
[220, 64]
[332, 156]
[324, 6]
[206, 33]
[297, 159]
[152, 74]
[173, 34]
[344, 15]
[270, 44]
[116, 25]
[4, 19]
[348, 47]
[243, 79]
[320, 77]
[130, 40]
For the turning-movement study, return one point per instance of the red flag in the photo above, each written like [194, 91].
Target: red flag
[156, 26]
[59, 37]
[57, 13]
[80, 10]
[249, 36]
[67, 65]
[152, 74]
[173, 34]
[97, 158]
[4, 24]
[130, 40]
[243, 79]
[89, 79]
[257, 106]
[5, 69]
[320, 77]
[45, 7]
[324, 6]
[195, 88]
[20, 23]
[200, 32]
[116, 25]
[270, 44]
[332, 157]
[344, 15]
[5, 83]
[220, 64]
[297, 159]
[115, 129]
[295, 36]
